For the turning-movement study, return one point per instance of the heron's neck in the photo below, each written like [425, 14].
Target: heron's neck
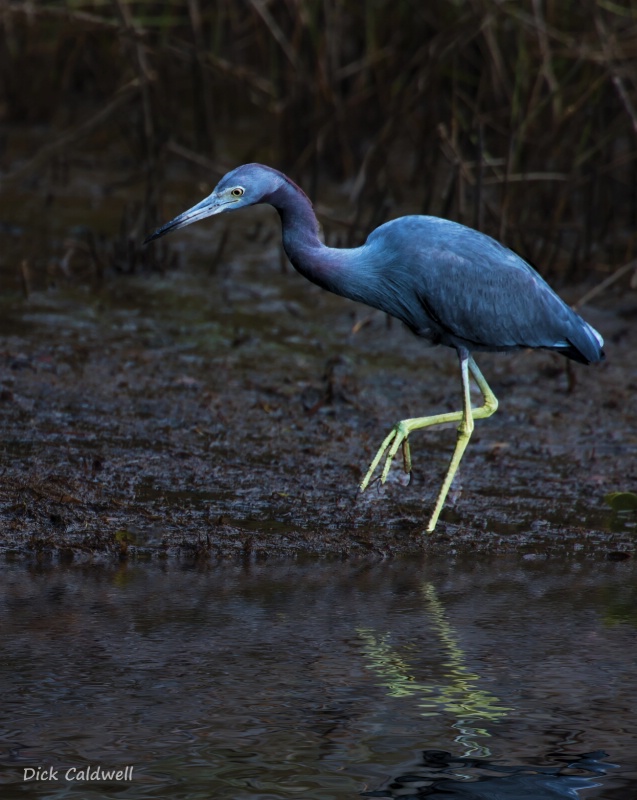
[299, 225]
[337, 270]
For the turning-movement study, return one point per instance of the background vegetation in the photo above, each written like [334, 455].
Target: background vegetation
[516, 117]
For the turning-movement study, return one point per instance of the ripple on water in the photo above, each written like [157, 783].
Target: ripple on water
[322, 680]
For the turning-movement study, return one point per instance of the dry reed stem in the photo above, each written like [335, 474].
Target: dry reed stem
[535, 147]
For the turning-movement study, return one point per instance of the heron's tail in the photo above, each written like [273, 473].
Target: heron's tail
[584, 343]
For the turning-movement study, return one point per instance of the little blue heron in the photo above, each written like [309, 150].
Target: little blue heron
[448, 283]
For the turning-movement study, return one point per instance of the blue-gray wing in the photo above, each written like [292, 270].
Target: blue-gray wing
[476, 293]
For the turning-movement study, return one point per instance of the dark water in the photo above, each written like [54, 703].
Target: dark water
[475, 678]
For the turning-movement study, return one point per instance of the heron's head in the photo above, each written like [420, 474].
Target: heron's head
[243, 186]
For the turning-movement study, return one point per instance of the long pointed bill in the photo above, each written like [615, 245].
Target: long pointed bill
[209, 206]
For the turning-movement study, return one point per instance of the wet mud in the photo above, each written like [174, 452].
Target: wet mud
[199, 398]
[233, 414]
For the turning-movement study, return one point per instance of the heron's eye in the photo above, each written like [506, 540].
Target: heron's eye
[237, 191]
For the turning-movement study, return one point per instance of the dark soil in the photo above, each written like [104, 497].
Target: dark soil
[235, 415]
[196, 398]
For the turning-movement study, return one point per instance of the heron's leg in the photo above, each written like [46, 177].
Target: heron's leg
[400, 433]
[465, 429]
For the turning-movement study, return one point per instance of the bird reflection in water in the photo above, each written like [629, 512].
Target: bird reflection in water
[447, 777]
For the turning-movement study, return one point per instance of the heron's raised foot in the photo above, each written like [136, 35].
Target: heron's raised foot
[399, 435]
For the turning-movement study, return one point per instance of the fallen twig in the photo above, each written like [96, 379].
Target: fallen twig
[601, 287]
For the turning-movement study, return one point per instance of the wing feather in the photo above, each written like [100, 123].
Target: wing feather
[472, 291]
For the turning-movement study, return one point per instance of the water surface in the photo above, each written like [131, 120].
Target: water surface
[473, 678]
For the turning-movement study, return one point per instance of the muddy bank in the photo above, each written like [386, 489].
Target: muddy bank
[234, 415]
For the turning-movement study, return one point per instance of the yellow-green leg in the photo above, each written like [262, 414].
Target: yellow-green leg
[400, 433]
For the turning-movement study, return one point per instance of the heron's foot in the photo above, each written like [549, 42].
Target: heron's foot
[397, 437]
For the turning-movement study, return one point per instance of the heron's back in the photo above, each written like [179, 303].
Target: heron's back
[456, 286]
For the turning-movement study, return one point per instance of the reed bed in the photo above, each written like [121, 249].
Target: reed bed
[519, 118]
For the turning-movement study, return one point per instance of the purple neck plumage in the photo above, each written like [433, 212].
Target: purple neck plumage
[299, 225]
[341, 271]
[301, 242]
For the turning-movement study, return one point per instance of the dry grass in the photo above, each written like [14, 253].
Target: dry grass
[515, 117]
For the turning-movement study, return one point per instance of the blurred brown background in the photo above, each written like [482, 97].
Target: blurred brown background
[518, 118]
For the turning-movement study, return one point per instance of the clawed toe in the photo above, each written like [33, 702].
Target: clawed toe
[388, 449]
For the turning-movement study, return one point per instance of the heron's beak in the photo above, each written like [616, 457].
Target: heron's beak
[209, 206]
